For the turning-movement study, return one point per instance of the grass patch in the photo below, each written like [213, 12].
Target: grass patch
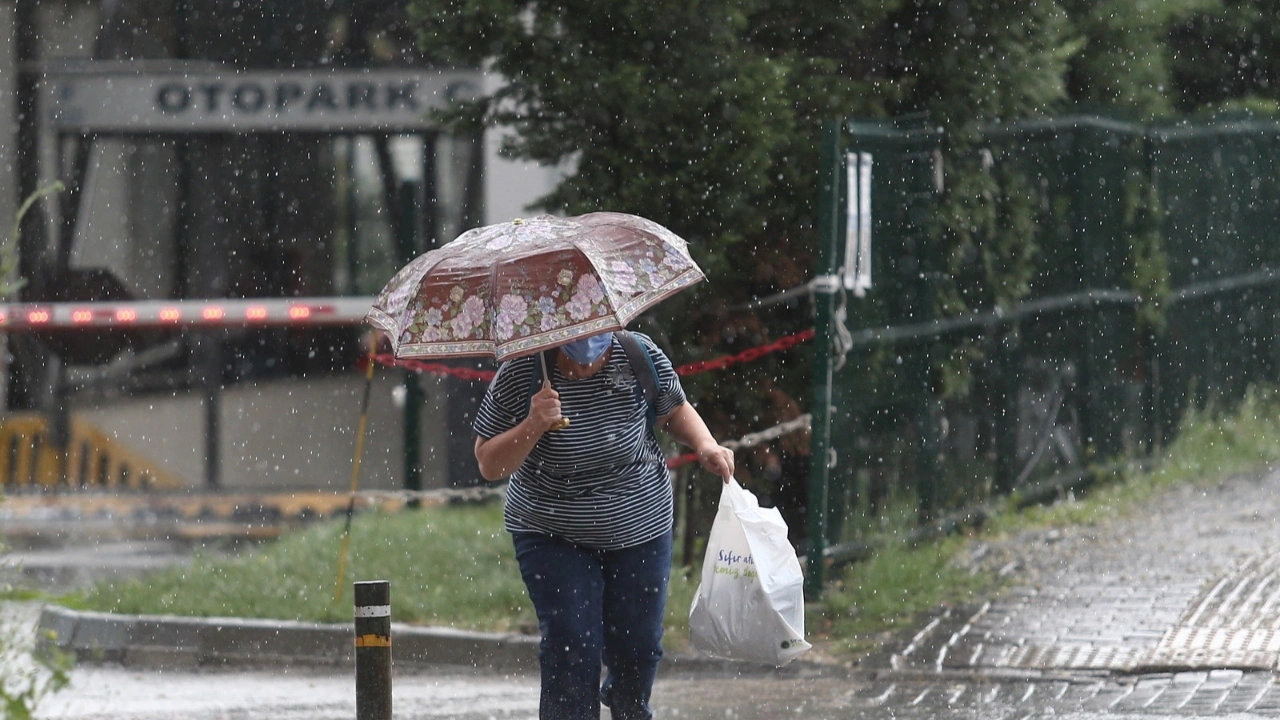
[449, 566]
[12, 594]
[890, 590]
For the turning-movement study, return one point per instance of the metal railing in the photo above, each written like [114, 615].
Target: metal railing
[93, 460]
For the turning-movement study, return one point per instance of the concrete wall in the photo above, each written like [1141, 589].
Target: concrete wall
[130, 217]
[510, 186]
[297, 434]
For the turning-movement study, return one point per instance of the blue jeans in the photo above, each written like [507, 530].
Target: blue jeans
[596, 606]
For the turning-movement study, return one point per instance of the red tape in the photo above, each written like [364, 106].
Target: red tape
[747, 355]
[676, 461]
[719, 363]
[724, 361]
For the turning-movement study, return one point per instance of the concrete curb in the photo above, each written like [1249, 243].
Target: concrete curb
[162, 642]
[168, 642]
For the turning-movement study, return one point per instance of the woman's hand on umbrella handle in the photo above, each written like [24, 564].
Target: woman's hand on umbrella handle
[544, 409]
[717, 459]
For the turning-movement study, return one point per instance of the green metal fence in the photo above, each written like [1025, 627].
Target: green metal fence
[1046, 298]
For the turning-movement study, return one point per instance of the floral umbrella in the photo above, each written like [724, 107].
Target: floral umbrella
[518, 287]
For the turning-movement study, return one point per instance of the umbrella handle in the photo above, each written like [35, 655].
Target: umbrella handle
[563, 422]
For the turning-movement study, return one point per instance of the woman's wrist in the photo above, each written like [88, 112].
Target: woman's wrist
[529, 430]
[705, 445]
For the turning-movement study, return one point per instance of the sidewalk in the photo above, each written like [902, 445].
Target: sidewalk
[1191, 582]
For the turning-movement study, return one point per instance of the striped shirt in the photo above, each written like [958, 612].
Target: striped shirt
[601, 482]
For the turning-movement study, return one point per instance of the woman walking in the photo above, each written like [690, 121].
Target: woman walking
[590, 509]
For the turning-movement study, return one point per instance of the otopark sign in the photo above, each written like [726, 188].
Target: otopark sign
[123, 98]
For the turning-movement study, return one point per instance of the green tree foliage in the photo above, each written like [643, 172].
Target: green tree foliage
[9, 282]
[1124, 62]
[704, 116]
[986, 60]
[660, 107]
[967, 65]
[1148, 263]
[1224, 57]
[27, 674]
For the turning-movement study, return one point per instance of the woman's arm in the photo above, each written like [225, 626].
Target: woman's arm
[687, 427]
[503, 454]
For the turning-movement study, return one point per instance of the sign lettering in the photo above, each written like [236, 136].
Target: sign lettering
[337, 101]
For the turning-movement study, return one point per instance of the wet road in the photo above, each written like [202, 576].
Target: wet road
[112, 692]
[119, 694]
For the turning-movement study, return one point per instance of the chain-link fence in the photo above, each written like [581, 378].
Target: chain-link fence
[1045, 298]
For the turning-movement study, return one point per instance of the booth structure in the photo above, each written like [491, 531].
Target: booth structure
[203, 152]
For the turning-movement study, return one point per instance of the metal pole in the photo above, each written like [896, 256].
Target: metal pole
[28, 359]
[410, 245]
[373, 649]
[355, 471]
[824, 302]
[33, 239]
[563, 422]
[690, 520]
[1005, 416]
[211, 369]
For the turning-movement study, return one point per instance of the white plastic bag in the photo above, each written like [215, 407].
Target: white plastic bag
[750, 605]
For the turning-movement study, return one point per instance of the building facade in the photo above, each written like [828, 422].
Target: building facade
[209, 149]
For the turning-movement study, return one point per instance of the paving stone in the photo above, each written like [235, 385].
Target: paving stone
[1173, 698]
[1268, 702]
[1079, 694]
[1112, 597]
[1106, 696]
[1143, 695]
[1224, 679]
[1204, 702]
[1243, 697]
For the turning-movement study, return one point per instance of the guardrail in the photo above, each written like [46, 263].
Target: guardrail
[214, 312]
[28, 459]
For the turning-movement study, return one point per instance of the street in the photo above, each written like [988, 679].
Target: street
[121, 694]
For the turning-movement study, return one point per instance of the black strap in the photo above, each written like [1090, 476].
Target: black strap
[640, 361]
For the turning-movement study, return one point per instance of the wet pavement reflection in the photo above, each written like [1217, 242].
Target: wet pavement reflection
[102, 693]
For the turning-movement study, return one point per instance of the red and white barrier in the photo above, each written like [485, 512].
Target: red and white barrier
[212, 313]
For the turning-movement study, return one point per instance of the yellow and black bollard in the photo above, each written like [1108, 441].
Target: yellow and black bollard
[373, 650]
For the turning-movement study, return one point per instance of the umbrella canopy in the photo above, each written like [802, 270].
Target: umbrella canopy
[518, 287]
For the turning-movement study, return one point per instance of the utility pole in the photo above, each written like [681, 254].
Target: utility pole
[824, 301]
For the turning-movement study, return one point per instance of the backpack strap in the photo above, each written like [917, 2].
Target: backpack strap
[643, 368]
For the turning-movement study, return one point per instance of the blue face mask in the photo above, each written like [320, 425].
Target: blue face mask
[588, 350]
